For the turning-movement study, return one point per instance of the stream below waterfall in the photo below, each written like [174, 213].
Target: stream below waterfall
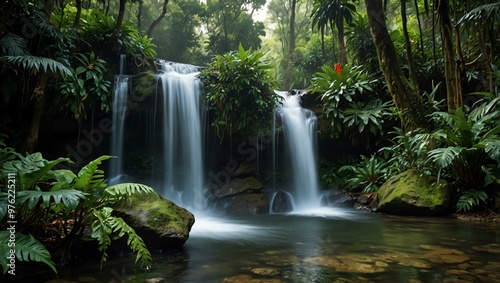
[331, 245]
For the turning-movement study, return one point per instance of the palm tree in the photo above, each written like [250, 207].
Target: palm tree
[333, 13]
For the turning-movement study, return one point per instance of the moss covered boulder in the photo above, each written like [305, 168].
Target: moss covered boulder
[161, 223]
[413, 193]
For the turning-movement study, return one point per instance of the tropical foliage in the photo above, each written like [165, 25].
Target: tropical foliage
[239, 91]
[57, 205]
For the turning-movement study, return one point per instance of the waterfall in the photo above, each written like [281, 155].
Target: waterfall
[299, 128]
[181, 105]
[121, 91]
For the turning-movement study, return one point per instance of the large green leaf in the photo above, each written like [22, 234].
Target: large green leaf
[91, 177]
[27, 248]
[443, 157]
[70, 198]
[493, 149]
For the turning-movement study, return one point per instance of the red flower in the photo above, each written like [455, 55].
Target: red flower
[338, 68]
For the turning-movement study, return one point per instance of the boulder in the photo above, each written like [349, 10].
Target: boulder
[158, 221]
[413, 193]
[250, 204]
[238, 186]
[334, 198]
[282, 202]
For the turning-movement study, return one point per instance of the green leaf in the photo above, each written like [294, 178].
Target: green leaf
[70, 198]
[27, 248]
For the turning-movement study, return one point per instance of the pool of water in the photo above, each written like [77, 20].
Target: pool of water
[328, 245]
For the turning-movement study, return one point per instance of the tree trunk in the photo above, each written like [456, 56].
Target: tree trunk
[118, 26]
[139, 14]
[39, 99]
[412, 75]
[291, 50]
[449, 57]
[340, 33]
[158, 20]
[404, 95]
[78, 15]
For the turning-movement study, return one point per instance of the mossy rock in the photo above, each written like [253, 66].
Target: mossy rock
[159, 222]
[413, 193]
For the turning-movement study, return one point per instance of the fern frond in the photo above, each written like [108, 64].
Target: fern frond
[38, 64]
[106, 225]
[13, 45]
[91, 177]
[70, 198]
[128, 189]
[27, 249]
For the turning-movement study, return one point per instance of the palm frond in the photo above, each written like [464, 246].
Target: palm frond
[38, 64]
[27, 249]
[493, 149]
[13, 45]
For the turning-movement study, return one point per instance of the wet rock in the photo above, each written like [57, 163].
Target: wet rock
[418, 263]
[489, 248]
[346, 264]
[155, 280]
[238, 186]
[334, 198]
[365, 199]
[413, 193]
[159, 222]
[438, 254]
[250, 204]
[265, 271]
[282, 202]
[244, 278]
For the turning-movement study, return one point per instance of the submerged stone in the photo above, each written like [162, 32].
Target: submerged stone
[158, 221]
[413, 193]
[265, 271]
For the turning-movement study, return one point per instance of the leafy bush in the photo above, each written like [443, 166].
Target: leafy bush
[58, 205]
[468, 147]
[349, 106]
[87, 83]
[369, 174]
[239, 91]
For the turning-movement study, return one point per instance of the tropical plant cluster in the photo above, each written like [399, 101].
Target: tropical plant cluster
[57, 210]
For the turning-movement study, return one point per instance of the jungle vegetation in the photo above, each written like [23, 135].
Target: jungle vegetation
[414, 84]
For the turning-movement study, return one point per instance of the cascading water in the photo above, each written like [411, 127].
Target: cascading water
[122, 85]
[181, 100]
[299, 127]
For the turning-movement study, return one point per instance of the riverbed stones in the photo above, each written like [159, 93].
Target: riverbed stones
[159, 222]
[345, 263]
[265, 271]
[413, 193]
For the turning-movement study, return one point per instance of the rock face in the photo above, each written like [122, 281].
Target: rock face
[159, 222]
[282, 202]
[412, 193]
[334, 198]
[238, 186]
[249, 204]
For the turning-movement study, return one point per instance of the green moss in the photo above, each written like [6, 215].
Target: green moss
[413, 190]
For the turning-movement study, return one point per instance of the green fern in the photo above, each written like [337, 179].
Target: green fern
[70, 198]
[128, 189]
[107, 225]
[27, 248]
[38, 64]
[470, 199]
[443, 157]
[13, 45]
[90, 177]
